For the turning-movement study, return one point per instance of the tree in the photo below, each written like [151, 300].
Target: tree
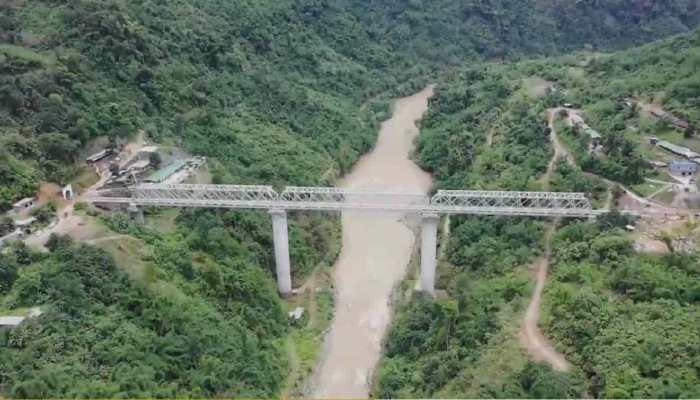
[7, 225]
[8, 273]
[155, 160]
[44, 214]
[57, 242]
[114, 169]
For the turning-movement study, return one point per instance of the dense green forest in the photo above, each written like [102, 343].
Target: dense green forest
[279, 92]
[626, 321]
[215, 75]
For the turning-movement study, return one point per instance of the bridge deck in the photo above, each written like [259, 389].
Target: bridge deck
[335, 199]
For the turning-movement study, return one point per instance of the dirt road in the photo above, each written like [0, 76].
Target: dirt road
[376, 251]
[531, 337]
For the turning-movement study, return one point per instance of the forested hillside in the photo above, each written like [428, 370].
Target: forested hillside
[626, 321]
[278, 92]
[214, 75]
[444, 30]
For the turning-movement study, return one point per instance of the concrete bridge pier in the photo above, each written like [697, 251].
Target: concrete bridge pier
[428, 261]
[136, 213]
[281, 240]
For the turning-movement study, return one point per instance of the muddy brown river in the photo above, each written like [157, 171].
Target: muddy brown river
[375, 254]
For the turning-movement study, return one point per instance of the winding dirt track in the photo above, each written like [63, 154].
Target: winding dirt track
[531, 337]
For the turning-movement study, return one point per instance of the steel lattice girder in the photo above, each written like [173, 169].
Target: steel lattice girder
[235, 193]
[518, 200]
[353, 198]
[335, 199]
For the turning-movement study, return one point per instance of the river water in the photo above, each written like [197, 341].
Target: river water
[376, 251]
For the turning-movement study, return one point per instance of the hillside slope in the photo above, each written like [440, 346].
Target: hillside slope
[624, 319]
[209, 73]
[277, 92]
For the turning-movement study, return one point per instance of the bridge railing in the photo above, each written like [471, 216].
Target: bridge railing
[336, 199]
[512, 203]
[362, 199]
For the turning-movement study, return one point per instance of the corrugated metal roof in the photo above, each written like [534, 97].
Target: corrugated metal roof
[682, 163]
[684, 151]
[164, 173]
[24, 202]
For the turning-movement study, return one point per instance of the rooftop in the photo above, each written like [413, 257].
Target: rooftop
[678, 149]
[24, 202]
[25, 222]
[683, 163]
[164, 173]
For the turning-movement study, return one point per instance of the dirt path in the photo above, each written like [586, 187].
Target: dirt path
[66, 221]
[531, 337]
[375, 254]
[644, 206]
[560, 152]
[108, 239]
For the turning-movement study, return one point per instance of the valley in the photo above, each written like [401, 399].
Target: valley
[368, 260]
[597, 97]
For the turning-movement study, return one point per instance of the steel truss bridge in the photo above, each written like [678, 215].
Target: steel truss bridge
[543, 204]
[536, 204]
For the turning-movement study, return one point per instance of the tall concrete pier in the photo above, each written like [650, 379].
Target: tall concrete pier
[281, 239]
[428, 250]
[136, 213]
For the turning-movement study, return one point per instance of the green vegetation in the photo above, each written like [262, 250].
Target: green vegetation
[433, 342]
[627, 322]
[7, 225]
[284, 80]
[278, 92]
[193, 324]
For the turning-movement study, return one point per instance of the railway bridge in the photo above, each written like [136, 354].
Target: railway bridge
[278, 203]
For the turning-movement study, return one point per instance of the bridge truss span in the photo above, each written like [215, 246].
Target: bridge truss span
[314, 198]
[513, 203]
[538, 204]
[337, 199]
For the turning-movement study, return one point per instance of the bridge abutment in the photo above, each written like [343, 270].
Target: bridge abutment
[428, 261]
[281, 240]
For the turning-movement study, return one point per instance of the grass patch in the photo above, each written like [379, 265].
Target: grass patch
[25, 54]
[85, 179]
[129, 254]
[535, 87]
[163, 220]
[305, 342]
[666, 197]
[647, 188]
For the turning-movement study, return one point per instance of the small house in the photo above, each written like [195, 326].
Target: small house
[163, 174]
[67, 192]
[683, 168]
[25, 224]
[25, 204]
[672, 119]
[678, 150]
[98, 156]
[657, 164]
